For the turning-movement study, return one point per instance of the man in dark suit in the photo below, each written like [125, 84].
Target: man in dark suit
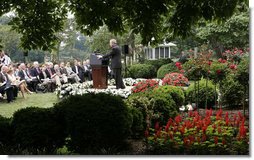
[30, 80]
[78, 70]
[35, 71]
[87, 69]
[116, 64]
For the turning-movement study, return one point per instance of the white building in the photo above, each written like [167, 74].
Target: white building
[162, 51]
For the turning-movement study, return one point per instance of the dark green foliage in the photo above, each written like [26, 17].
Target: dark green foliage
[142, 71]
[5, 6]
[232, 91]
[154, 106]
[176, 93]
[37, 130]
[38, 22]
[137, 128]
[242, 74]
[151, 19]
[158, 63]
[165, 69]
[210, 91]
[218, 71]
[95, 122]
[6, 135]
[233, 33]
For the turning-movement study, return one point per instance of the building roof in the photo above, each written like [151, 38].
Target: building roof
[170, 44]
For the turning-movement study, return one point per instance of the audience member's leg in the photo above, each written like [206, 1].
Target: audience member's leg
[9, 94]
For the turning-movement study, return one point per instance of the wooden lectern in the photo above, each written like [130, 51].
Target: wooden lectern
[99, 72]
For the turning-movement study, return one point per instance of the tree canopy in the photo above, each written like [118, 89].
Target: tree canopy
[39, 20]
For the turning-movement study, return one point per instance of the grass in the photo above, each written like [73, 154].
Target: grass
[42, 100]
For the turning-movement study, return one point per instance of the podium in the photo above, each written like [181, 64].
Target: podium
[99, 71]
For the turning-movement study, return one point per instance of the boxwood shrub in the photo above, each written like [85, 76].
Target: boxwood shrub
[177, 93]
[232, 92]
[158, 62]
[165, 69]
[142, 71]
[154, 106]
[138, 123]
[6, 135]
[37, 130]
[95, 122]
[210, 91]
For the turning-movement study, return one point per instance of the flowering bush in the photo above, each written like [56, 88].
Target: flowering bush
[80, 89]
[218, 71]
[194, 134]
[176, 79]
[198, 67]
[145, 85]
[235, 55]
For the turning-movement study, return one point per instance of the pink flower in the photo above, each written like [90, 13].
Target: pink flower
[218, 71]
[233, 66]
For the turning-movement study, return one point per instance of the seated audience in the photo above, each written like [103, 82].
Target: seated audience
[71, 74]
[30, 80]
[5, 85]
[63, 77]
[17, 83]
[87, 70]
[78, 70]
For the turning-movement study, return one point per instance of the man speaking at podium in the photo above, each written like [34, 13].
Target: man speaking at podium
[116, 64]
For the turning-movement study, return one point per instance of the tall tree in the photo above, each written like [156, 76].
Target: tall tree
[234, 32]
[39, 20]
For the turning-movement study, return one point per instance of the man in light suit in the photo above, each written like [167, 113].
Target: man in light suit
[116, 64]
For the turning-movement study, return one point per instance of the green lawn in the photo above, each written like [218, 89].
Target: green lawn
[42, 100]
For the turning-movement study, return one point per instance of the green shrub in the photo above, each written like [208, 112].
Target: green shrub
[158, 63]
[210, 90]
[232, 91]
[154, 106]
[142, 71]
[137, 128]
[6, 135]
[95, 122]
[37, 130]
[242, 74]
[176, 93]
[218, 71]
[165, 69]
[5, 131]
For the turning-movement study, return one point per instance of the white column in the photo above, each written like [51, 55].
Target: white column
[164, 52]
[169, 56]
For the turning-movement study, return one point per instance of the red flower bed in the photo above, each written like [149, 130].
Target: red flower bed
[176, 79]
[144, 86]
[195, 134]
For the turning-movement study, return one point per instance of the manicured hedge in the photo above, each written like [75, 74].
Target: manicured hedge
[142, 71]
[203, 90]
[165, 69]
[158, 62]
[95, 122]
[38, 130]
